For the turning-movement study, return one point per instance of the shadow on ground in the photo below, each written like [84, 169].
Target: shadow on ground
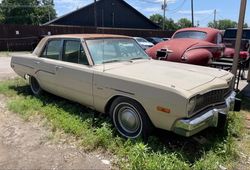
[245, 96]
[191, 149]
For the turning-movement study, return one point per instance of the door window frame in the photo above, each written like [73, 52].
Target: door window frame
[82, 41]
[46, 47]
[81, 45]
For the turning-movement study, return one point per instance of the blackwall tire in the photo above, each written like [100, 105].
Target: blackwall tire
[34, 86]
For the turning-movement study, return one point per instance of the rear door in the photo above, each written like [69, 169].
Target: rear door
[46, 65]
[73, 74]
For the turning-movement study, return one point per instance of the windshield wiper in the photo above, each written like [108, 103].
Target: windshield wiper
[136, 58]
[110, 61]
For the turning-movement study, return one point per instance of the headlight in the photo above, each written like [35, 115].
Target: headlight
[191, 105]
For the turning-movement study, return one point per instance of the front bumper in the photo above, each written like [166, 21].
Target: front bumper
[207, 118]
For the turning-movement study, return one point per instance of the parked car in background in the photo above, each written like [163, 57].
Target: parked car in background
[154, 40]
[166, 39]
[143, 42]
[229, 40]
[113, 74]
[195, 45]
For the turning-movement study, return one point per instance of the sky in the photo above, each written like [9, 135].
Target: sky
[176, 9]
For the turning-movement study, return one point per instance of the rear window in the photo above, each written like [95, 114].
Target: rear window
[233, 34]
[191, 34]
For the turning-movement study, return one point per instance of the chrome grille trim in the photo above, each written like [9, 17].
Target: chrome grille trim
[214, 97]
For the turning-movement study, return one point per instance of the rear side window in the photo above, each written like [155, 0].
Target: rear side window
[52, 50]
[73, 52]
[218, 39]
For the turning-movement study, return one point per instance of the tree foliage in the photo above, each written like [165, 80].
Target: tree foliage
[169, 22]
[184, 23]
[224, 24]
[26, 11]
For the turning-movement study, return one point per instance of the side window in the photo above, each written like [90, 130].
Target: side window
[219, 39]
[73, 52]
[52, 50]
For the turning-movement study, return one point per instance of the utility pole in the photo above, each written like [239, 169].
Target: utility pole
[192, 12]
[238, 38]
[95, 15]
[215, 13]
[164, 6]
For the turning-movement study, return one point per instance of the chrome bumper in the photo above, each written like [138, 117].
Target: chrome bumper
[208, 118]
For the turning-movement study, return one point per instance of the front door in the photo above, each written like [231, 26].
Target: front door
[73, 74]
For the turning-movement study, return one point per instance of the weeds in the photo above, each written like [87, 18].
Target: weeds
[163, 151]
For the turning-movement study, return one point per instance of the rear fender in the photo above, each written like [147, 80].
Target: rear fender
[197, 56]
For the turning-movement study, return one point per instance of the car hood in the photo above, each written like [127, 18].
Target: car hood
[169, 74]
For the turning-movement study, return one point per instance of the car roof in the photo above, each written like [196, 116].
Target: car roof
[88, 36]
[237, 28]
[202, 29]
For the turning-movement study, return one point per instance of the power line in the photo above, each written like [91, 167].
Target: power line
[179, 7]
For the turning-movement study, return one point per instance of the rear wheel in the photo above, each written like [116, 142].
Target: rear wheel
[34, 86]
[130, 118]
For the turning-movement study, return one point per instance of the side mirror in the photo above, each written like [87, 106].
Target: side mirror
[162, 54]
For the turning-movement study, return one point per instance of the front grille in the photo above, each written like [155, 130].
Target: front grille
[210, 98]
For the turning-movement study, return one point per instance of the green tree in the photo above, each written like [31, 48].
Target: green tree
[169, 23]
[46, 12]
[157, 19]
[184, 23]
[223, 24]
[26, 11]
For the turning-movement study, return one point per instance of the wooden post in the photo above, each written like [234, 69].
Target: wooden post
[248, 77]
[238, 38]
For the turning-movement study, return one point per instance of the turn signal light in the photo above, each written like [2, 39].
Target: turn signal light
[163, 109]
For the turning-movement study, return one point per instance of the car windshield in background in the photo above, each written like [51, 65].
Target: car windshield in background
[232, 34]
[141, 40]
[114, 50]
[191, 34]
[158, 40]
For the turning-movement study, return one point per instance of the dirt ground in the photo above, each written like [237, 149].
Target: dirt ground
[32, 145]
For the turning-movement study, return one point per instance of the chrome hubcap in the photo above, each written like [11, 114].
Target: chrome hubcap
[128, 119]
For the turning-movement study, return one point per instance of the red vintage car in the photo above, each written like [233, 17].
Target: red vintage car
[195, 45]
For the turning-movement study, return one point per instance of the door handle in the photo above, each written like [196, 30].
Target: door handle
[58, 67]
[37, 62]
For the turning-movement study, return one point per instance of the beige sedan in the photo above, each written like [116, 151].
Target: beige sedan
[112, 74]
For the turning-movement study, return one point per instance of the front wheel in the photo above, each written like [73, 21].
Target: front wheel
[130, 118]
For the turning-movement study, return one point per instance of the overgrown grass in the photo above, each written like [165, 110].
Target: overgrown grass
[163, 151]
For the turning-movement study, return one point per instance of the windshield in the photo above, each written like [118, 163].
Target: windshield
[191, 34]
[114, 50]
[141, 40]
